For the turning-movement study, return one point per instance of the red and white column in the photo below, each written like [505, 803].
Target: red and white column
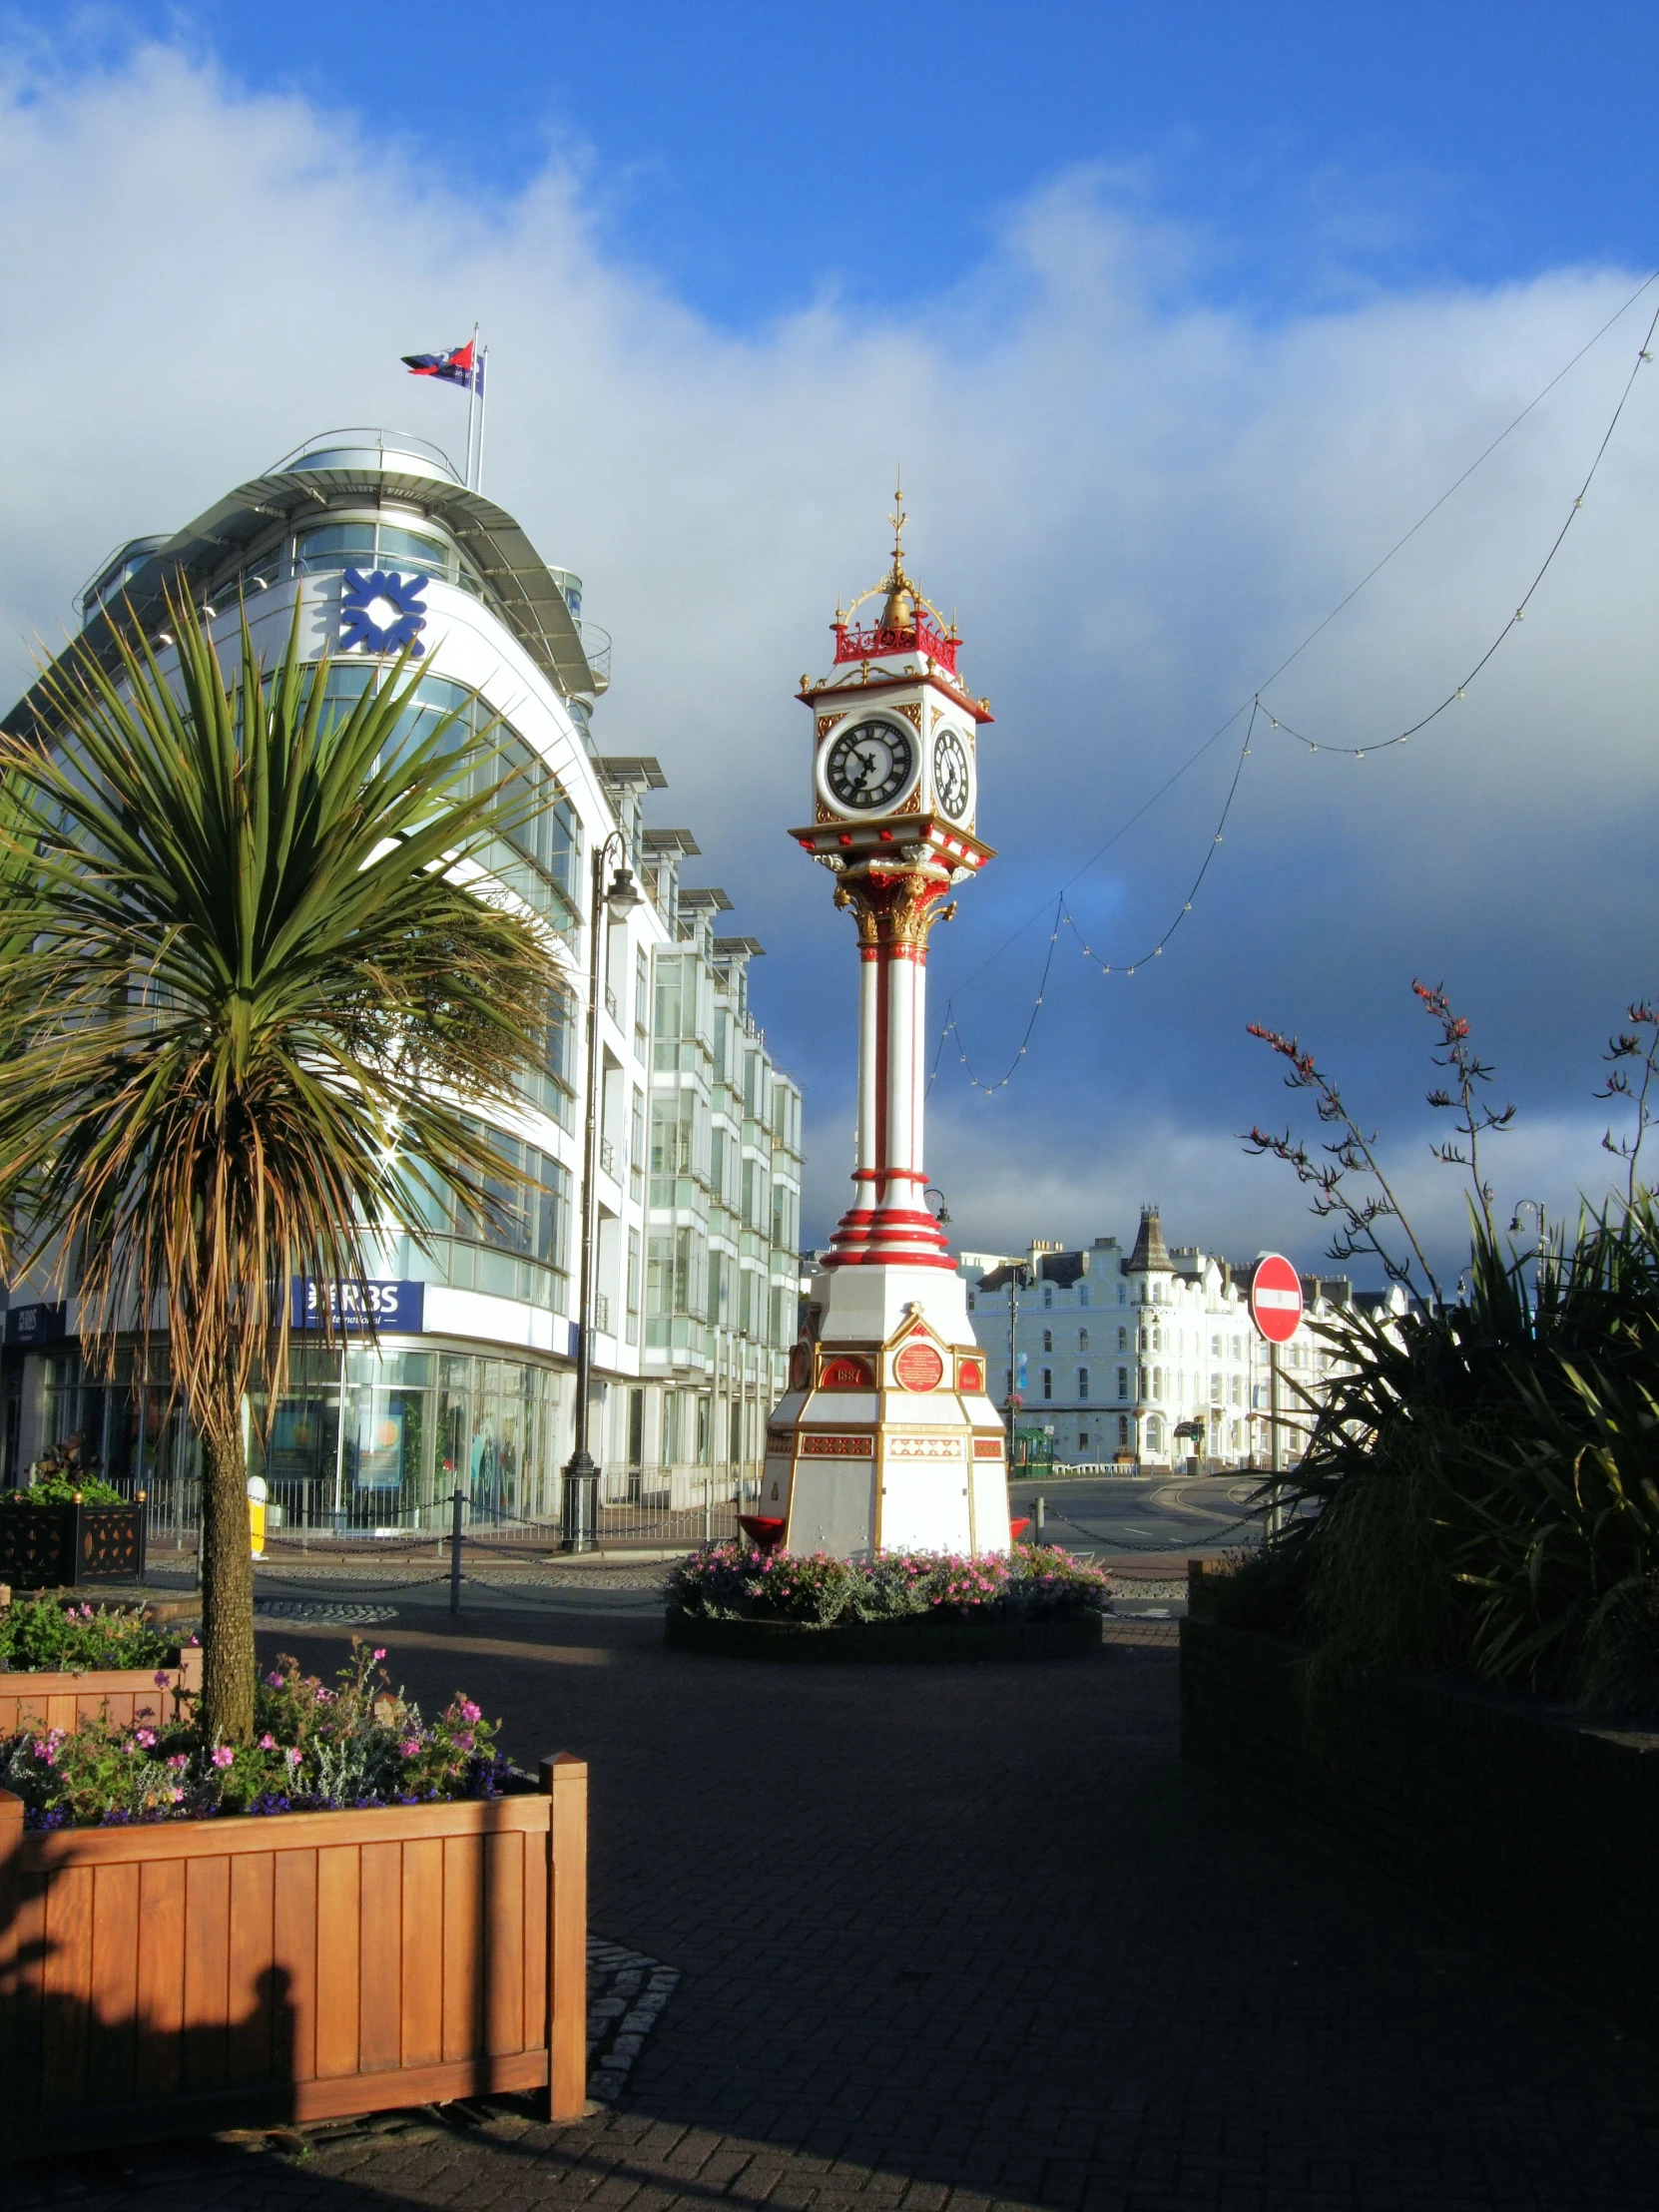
[889, 1223]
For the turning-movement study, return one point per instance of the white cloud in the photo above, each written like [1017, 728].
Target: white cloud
[1137, 499]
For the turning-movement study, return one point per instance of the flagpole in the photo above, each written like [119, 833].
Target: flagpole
[478, 360]
[470, 382]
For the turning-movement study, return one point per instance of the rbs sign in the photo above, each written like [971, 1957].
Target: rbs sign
[393, 1308]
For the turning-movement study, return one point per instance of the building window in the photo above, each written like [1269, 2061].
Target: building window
[1049, 1339]
[1082, 1340]
[633, 1286]
[1123, 1381]
[1157, 1382]
[1083, 1383]
[970, 1302]
[1048, 1294]
[642, 994]
[1215, 1347]
[1123, 1429]
[1083, 1293]
[1048, 1382]
[1123, 1340]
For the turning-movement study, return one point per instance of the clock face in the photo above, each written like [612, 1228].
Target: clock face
[952, 786]
[870, 764]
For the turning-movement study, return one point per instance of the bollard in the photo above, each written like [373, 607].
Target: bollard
[1037, 1513]
[455, 1554]
[257, 1495]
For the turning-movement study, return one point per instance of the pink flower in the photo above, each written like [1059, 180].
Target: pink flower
[176, 1797]
[274, 1680]
[267, 1740]
[291, 1755]
[46, 1748]
[380, 1652]
[222, 1754]
[177, 1760]
[146, 1737]
[470, 1711]
[409, 1747]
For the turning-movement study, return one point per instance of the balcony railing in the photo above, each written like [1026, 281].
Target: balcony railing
[876, 642]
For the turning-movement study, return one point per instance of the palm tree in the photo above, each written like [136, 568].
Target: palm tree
[253, 991]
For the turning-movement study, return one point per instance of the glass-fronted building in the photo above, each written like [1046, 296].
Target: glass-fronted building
[696, 1184]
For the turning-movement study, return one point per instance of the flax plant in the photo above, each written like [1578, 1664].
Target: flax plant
[1480, 1487]
[252, 992]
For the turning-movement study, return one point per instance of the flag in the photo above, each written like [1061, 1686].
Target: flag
[458, 366]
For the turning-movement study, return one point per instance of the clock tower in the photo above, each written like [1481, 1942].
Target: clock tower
[887, 1439]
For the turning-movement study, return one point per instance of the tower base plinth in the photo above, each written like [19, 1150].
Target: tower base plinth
[887, 1439]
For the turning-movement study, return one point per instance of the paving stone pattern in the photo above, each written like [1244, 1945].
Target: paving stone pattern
[959, 1937]
[626, 1993]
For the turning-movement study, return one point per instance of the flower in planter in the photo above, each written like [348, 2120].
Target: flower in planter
[355, 1743]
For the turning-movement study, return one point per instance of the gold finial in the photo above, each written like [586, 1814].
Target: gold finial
[899, 613]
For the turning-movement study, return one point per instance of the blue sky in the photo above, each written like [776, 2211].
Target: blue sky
[750, 154]
[1179, 317]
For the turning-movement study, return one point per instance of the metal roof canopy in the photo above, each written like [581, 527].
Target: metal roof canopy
[530, 602]
[633, 767]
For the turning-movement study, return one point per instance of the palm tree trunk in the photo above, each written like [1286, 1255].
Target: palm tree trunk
[228, 1662]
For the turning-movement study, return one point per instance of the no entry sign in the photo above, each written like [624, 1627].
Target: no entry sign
[1274, 1298]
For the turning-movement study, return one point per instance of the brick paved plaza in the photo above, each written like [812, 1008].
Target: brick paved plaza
[967, 1936]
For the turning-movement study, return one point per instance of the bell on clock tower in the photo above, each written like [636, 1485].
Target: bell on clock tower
[887, 1439]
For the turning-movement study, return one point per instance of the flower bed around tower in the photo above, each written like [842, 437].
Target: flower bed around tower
[1028, 1603]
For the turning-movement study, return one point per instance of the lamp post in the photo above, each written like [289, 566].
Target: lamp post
[1534, 1205]
[579, 1497]
[1017, 1281]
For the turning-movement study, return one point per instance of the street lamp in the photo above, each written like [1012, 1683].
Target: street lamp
[1533, 1206]
[942, 1217]
[579, 1499]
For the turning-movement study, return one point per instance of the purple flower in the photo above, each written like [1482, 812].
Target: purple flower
[274, 1680]
[164, 1681]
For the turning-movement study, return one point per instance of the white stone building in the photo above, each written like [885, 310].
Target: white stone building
[1112, 1352]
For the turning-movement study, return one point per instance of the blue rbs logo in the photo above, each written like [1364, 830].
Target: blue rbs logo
[381, 612]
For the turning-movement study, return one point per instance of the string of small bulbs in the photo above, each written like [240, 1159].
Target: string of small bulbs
[1260, 712]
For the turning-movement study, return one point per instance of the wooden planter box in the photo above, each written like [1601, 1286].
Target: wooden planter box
[189, 1976]
[62, 1547]
[122, 1695]
[923, 1640]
